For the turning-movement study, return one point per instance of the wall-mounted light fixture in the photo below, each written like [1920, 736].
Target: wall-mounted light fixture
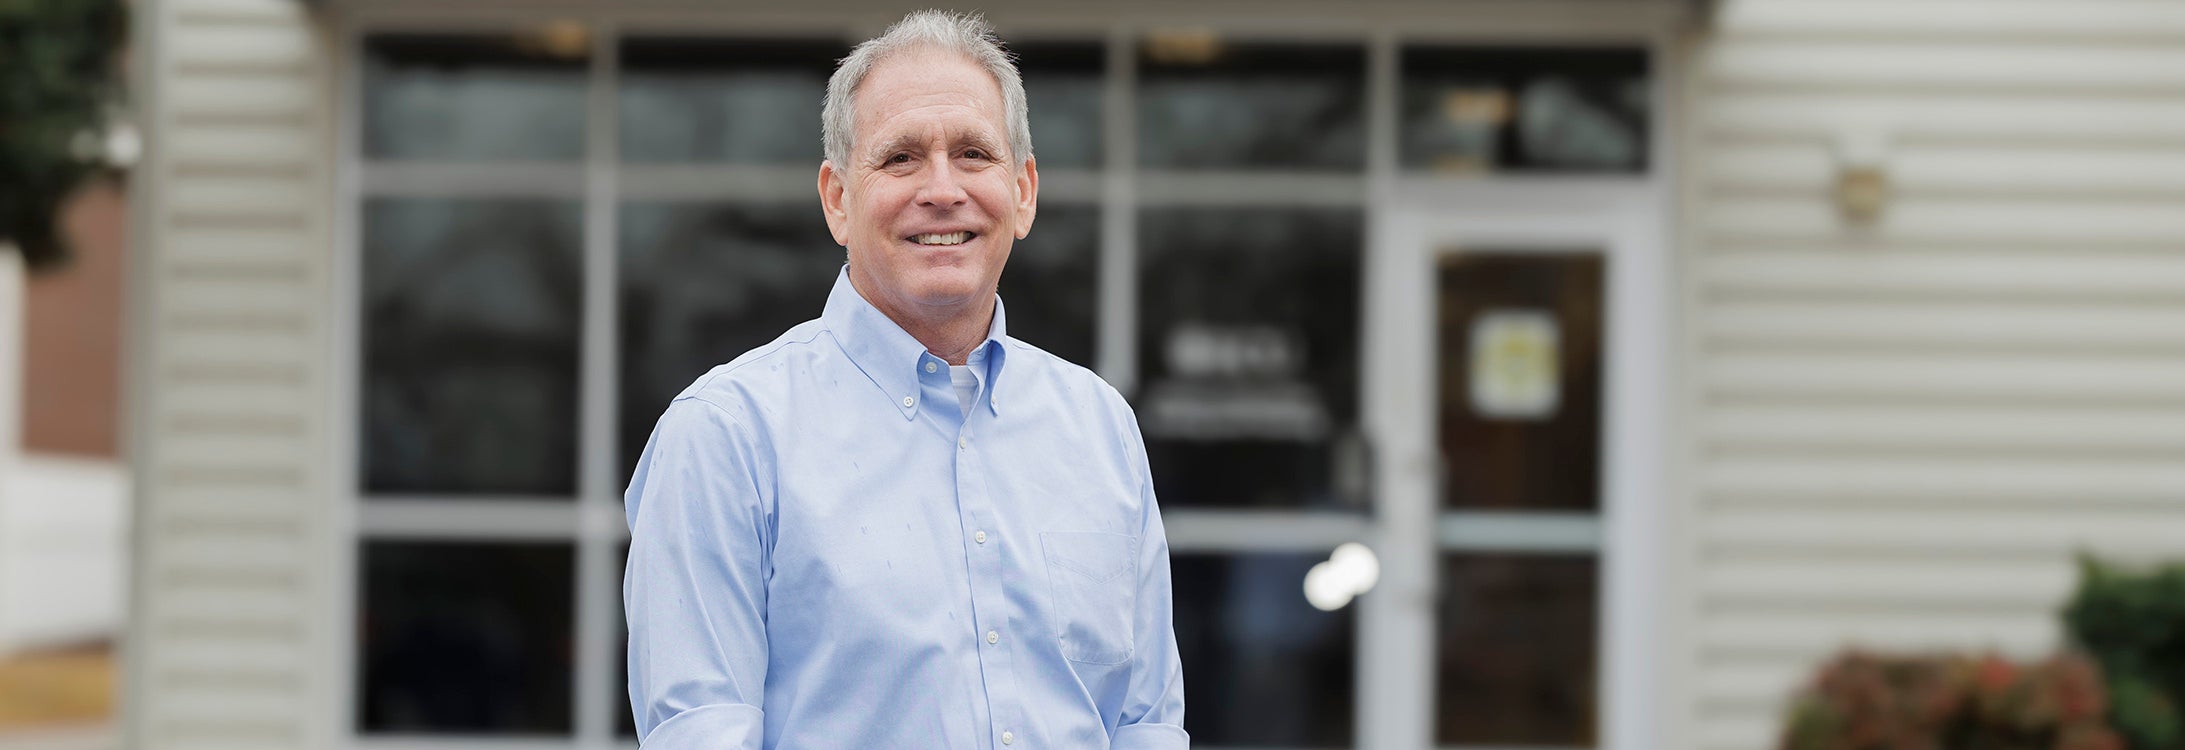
[1862, 179]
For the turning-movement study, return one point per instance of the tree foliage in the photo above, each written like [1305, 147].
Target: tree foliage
[58, 79]
[2134, 624]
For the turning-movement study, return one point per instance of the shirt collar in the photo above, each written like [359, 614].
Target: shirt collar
[892, 358]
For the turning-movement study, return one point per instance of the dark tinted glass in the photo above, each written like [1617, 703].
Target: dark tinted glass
[1248, 341]
[1052, 282]
[1262, 668]
[471, 312]
[1517, 651]
[475, 97]
[704, 283]
[1062, 86]
[625, 714]
[1520, 419]
[1207, 104]
[466, 638]
[747, 101]
[1471, 109]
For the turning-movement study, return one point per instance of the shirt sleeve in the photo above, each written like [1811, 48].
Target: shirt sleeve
[694, 589]
[1153, 709]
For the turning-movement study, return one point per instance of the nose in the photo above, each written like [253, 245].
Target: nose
[943, 187]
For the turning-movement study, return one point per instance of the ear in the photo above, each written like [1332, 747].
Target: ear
[831, 187]
[1027, 196]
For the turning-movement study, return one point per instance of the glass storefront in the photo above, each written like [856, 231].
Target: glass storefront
[1234, 321]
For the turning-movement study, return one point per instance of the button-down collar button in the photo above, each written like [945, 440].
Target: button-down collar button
[979, 537]
[993, 637]
[1008, 738]
[931, 367]
[907, 401]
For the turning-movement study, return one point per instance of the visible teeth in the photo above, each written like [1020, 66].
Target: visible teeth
[952, 238]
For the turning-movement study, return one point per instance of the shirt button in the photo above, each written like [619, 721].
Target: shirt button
[931, 367]
[992, 637]
[964, 443]
[979, 537]
[1008, 738]
[907, 402]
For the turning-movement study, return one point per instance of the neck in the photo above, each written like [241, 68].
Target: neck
[950, 332]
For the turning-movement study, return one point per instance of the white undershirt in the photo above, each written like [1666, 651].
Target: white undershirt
[967, 385]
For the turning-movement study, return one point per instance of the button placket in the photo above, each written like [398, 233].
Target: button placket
[990, 605]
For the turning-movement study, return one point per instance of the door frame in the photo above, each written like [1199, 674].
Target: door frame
[1408, 234]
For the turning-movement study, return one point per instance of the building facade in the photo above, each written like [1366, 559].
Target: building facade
[1657, 350]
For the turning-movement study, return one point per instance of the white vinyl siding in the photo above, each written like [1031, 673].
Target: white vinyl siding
[1900, 435]
[228, 377]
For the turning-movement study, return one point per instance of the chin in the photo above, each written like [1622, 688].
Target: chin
[940, 285]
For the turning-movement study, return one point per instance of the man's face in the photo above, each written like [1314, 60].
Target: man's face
[931, 199]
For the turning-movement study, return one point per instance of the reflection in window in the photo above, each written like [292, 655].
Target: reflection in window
[1207, 103]
[1248, 336]
[1262, 667]
[1475, 109]
[475, 97]
[746, 101]
[1517, 651]
[704, 283]
[471, 312]
[1063, 86]
[1051, 284]
[1520, 380]
[466, 637]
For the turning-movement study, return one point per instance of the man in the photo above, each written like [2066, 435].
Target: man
[895, 526]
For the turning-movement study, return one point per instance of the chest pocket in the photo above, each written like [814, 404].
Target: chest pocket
[1094, 580]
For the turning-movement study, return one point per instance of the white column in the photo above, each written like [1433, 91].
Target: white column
[11, 421]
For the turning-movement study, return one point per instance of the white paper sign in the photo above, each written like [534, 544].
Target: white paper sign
[1514, 364]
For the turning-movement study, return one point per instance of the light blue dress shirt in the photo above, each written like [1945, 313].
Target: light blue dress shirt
[826, 551]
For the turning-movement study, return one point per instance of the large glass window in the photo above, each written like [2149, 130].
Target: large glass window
[1207, 103]
[1262, 668]
[1525, 109]
[692, 99]
[476, 97]
[465, 637]
[470, 333]
[1248, 332]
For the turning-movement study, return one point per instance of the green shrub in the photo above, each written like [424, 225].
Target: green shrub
[2134, 626]
[1869, 702]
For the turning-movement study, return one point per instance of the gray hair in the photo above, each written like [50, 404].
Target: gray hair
[965, 34]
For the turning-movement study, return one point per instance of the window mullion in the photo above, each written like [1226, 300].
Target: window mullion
[1117, 334]
[598, 579]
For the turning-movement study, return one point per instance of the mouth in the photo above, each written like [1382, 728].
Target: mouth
[943, 239]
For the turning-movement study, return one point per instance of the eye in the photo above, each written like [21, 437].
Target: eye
[899, 158]
[975, 154]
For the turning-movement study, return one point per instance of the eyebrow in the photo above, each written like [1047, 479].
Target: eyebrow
[913, 142]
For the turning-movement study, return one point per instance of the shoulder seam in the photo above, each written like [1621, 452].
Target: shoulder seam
[747, 361]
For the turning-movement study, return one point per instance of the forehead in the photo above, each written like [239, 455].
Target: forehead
[928, 90]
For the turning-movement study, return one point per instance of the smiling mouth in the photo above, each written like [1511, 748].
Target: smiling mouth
[950, 238]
